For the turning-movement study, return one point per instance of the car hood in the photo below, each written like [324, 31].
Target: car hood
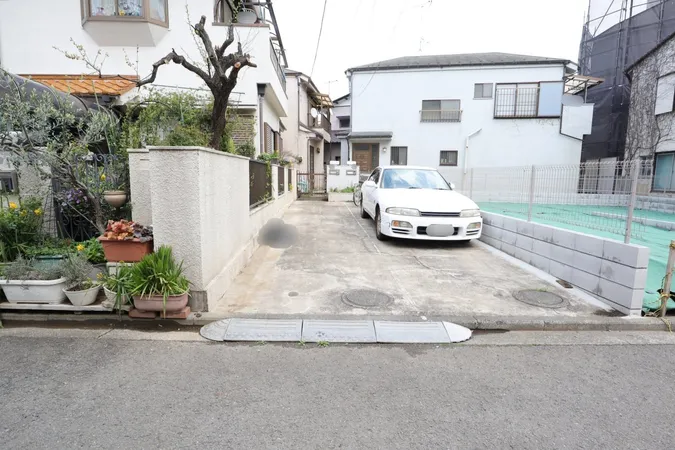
[427, 200]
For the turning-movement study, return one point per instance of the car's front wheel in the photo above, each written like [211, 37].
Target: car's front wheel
[378, 227]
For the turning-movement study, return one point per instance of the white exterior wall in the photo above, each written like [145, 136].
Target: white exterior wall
[391, 101]
[207, 189]
[342, 109]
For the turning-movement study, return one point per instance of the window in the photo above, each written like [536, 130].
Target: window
[482, 90]
[664, 172]
[441, 111]
[665, 94]
[155, 11]
[7, 182]
[399, 156]
[413, 178]
[448, 158]
[375, 176]
[528, 100]
[344, 122]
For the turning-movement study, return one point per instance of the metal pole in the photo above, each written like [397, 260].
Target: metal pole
[471, 184]
[531, 199]
[665, 293]
[635, 167]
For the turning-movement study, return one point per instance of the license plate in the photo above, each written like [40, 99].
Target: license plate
[440, 230]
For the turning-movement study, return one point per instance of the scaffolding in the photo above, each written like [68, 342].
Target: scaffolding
[617, 33]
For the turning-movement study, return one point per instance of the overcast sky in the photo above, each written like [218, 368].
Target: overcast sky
[358, 32]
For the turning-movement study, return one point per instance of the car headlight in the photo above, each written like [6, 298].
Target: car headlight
[470, 213]
[403, 211]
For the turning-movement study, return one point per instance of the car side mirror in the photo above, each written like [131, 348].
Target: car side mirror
[369, 183]
[452, 186]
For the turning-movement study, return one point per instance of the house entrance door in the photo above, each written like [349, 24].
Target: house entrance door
[366, 156]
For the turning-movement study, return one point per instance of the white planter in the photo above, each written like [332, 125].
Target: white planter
[83, 298]
[110, 300]
[34, 291]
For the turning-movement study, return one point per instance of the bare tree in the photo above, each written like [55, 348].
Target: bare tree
[647, 132]
[221, 78]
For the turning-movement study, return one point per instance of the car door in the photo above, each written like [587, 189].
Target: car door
[369, 189]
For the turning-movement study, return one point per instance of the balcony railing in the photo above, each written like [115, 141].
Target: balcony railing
[430, 115]
[320, 121]
[277, 67]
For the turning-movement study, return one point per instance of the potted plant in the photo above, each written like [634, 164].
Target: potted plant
[125, 240]
[157, 283]
[25, 283]
[116, 288]
[81, 290]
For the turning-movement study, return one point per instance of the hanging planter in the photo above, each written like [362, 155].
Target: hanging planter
[116, 199]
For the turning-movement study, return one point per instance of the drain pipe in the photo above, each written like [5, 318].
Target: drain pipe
[466, 156]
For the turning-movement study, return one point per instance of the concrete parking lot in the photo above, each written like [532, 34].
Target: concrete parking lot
[328, 262]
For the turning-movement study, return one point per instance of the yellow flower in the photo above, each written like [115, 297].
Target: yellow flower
[79, 247]
[102, 177]
[23, 212]
[13, 205]
[37, 212]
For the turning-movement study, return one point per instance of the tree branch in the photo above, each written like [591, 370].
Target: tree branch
[208, 45]
[220, 51]
[177, 59]
[237, 61]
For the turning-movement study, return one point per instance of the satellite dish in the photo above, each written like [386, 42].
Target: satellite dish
[313, 112]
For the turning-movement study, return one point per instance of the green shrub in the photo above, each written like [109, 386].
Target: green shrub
[92, 250]
[76, 269]
[25, 269]
[20, 227]
[247, 150]
[188, 135]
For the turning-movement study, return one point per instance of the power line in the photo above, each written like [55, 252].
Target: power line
[318, 41]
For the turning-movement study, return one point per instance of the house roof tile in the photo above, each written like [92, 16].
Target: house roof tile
[464, 59]
[87, 85]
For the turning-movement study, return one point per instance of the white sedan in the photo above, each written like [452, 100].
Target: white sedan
[417, 203]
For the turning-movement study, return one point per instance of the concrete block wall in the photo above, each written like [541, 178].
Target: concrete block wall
[612, 271]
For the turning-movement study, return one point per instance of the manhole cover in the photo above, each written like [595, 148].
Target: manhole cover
[366, 298]
[542, 299]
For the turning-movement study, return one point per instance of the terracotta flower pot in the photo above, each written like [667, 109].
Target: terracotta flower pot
[130, 250]
[115, 198]
[156, 302]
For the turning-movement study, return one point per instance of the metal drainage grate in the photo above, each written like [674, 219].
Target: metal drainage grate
[542, 299]
[366, 298]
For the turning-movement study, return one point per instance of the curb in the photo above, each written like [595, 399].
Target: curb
[514, 323]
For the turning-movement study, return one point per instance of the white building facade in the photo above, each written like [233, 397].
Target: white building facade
[340, 127]
[307, 126]
[133, 34]
[457, 112]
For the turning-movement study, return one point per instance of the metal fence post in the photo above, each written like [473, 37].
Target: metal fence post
[531, 199]
[635, 168]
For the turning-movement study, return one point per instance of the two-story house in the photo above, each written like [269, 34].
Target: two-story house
[308, 124]
[340, 124]
[133, 34]
[456, 112]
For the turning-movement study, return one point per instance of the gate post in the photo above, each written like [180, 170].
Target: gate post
[635, 167]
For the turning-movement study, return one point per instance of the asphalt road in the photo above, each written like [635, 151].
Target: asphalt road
[65, 393]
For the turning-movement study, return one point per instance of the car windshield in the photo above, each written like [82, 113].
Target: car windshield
[413, 179]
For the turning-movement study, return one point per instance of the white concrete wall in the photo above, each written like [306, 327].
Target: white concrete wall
[140, 186]
[341, 179]
[200, 207]
[54, 23]
[391, 101]
[614, 272]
